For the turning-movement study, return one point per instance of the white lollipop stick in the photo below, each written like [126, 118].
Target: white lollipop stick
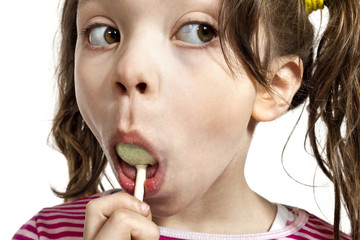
[140, 180]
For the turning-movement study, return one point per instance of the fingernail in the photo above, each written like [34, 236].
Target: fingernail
[144, 207]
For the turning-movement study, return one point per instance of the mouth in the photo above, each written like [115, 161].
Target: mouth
[126, 173]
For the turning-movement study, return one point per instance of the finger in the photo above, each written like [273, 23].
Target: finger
[99, 210]
[125, 225]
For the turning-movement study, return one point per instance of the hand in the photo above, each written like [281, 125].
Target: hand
[119, 216]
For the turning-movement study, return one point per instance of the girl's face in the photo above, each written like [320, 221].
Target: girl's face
[152, 73]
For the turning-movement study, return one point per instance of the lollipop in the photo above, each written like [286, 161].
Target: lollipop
[137, 156]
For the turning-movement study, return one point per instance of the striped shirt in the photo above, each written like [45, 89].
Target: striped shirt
[66, 221]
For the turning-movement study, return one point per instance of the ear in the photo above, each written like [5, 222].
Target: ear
[284, 81]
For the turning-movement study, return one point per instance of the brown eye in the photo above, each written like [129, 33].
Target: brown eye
[196, 33]
[111, 35]
[205, 33]
[103, 36]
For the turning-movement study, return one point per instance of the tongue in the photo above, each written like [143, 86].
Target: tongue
[151, 170]
[130, 171]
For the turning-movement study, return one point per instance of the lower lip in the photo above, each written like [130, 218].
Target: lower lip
[127, 176]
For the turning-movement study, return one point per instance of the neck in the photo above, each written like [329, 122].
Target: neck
[235, 209]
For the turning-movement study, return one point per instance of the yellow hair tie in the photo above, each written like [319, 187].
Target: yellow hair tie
[313, 5]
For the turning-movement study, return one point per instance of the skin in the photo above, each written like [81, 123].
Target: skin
[192, 110]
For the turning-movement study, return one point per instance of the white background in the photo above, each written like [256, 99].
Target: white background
[29, 166]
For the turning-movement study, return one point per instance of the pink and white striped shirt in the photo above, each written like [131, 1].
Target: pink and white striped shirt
[66, 221]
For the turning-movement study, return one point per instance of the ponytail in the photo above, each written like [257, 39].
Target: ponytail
[334, 98]
[331, 80]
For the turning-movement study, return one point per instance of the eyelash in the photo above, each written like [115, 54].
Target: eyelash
[197, 22]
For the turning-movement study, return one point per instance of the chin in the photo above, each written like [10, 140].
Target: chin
[164, 213]
[163, 208]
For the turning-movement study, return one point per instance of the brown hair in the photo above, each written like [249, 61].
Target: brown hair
[86, 160]
[331, 82]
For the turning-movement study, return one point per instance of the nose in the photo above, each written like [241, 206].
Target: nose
[136, 70]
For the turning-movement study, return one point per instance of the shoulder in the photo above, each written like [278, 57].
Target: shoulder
[61, 221]
[309, 226]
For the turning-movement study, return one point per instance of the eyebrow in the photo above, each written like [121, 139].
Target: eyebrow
[82, 3]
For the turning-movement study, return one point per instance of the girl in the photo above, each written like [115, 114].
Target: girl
[188, 81]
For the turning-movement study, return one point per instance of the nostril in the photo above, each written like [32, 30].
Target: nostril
[141, 87]
[123, 88]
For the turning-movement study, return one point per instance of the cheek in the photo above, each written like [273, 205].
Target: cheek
[209, 124]
[213, 100]
[217, 123]
[88, 81]
[210, 113]
[211, 108]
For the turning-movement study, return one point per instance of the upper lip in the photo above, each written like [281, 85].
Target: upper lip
[134, 137]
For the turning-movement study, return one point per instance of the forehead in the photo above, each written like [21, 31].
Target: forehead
[184, 3]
